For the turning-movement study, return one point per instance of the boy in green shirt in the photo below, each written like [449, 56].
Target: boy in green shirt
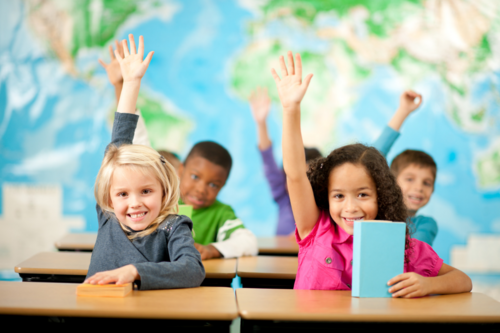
[217, 230]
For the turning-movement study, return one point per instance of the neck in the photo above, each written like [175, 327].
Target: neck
[411, 212]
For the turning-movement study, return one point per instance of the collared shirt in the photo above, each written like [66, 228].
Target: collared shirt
[325, 258]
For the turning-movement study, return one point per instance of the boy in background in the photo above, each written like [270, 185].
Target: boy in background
[415, 171]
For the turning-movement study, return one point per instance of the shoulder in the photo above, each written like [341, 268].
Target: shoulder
[421, 219]
[173, 221]
[423, 259]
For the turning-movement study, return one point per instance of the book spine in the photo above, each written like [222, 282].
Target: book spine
[356, 260]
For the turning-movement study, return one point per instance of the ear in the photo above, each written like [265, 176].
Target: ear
[110, 203]
[180, 169]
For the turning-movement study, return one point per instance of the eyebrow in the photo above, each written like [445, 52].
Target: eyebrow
[358, 189]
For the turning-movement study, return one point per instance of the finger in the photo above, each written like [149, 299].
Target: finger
[126, 53]
[132, 44]
[397, 278]
[398, 286]
[298, 65]
[291, 65]
[119, 47]
[307, 80]
[111, 54]
[404, 292]
[275, 76]
[419, 100]
[103, 64]
[118, 56]
[147, 60]
[108, 279]
[283, 67]
[141, 47]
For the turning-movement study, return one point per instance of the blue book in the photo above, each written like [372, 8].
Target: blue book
[378, 256]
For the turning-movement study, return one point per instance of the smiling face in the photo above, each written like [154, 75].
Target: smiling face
[135, 197]
[352, 196]
[201, 181]
[417, 185]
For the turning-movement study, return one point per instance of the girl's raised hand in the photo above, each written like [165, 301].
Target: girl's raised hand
[132, 65]
[291, 88]
[260, 104]
[122, 275]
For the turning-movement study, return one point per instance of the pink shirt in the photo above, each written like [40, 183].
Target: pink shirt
[325, 258]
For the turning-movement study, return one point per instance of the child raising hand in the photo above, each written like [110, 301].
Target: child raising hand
[352, 183]
[140, 236]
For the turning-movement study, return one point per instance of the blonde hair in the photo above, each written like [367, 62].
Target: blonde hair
[144, 159]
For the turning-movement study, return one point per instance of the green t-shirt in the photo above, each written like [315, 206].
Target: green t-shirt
[214, 223]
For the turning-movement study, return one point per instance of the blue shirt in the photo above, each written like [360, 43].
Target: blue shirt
[423, 228]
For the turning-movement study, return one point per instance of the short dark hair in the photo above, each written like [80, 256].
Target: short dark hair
[212, 152]
[172, 158]
[417, 157]
[312, 154]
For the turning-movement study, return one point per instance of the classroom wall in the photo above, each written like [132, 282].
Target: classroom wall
[56, 104]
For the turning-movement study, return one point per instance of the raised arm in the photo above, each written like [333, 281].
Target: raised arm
[133, 68]
[260, 104]
[291, 90]
[409, 101]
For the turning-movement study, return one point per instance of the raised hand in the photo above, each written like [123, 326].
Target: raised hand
[260, 104]
[132, 65]
[122, 275]
[409, 101]
[291, 88]
[113, 68]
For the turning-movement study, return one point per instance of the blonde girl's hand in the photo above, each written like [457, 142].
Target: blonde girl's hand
[409, 285]
[260, 104]
[291, 88]
[122, 275]
[113, 68]
[132, 65]
[409, 101]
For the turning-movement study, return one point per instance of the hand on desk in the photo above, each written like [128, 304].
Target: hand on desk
[122, 275]
[409, 285]
[207, 251]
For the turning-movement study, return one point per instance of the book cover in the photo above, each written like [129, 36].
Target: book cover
[378, 256]
[104, 290]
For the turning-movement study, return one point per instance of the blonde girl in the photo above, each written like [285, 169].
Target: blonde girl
[140, 237]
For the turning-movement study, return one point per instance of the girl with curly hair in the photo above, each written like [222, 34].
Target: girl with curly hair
[352, 183]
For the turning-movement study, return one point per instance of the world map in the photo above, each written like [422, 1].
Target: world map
[56, 104]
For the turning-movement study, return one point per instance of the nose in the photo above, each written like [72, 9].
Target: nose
[135, 201]
[201, 187]
[350, 205]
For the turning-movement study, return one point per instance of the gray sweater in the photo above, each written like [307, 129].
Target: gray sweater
[165, 258]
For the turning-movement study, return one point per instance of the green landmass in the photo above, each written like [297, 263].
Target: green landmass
[488, 169]
[384, 15]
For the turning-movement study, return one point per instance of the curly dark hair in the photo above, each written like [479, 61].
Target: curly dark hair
[389, 197]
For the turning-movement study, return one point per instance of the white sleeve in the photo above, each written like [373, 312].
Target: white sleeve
[141, 132]
[242, 242]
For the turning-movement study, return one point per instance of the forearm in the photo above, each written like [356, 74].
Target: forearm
[128, 96]
[118, 91]
[398, 119]
[294, 159]
[454, 281]
[263, 136]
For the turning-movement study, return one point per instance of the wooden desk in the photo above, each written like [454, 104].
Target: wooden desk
[301, 309]
[72, 267]
[267, 271]
[278, 246]
[42, 302]
[83, 242]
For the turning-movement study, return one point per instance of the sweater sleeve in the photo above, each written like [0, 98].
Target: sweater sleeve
[241, 242]
[425, 229]
[123, 128]
[275, 176]
[184, 270]
[386, 140]
[141, 132]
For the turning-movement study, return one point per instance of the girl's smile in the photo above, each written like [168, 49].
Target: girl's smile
[352, 196]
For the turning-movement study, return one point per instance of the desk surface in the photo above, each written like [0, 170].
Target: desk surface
[330, 305]
[83, 241]
[76, 263]
[268, 267]
[277, 245]
[38, 299]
